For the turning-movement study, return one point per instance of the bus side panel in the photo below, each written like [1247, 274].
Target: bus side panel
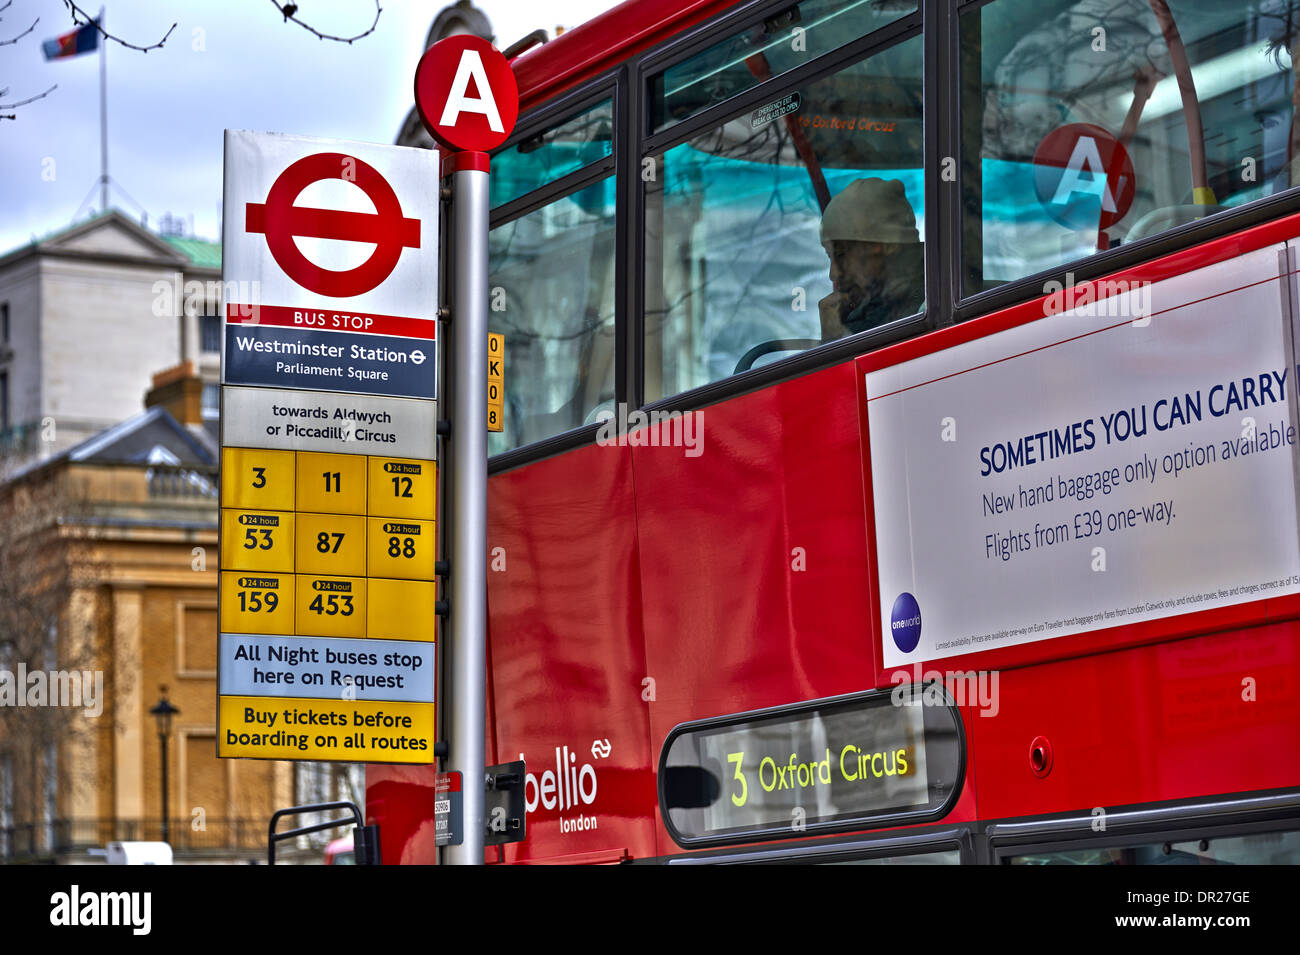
[753, 555]
[1196, 717]
[399, 799]
[568, 656]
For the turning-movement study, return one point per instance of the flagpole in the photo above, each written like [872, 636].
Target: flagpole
[103, 115]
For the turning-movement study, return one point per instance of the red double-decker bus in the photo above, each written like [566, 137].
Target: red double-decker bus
[899, 458]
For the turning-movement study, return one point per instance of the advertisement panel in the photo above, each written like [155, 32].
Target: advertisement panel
[1127, 459]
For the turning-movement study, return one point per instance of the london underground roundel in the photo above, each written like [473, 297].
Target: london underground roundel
[1083, 177]
[466, 94]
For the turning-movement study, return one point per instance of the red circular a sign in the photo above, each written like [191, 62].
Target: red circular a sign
[1084, 177]
[280, 220]
[466, 94]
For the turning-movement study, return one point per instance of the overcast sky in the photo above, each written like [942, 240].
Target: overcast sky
[228, 64]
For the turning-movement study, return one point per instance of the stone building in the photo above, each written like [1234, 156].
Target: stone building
[127, 523]
[87, 314]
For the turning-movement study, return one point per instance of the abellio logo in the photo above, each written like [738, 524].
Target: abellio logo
[905, 622]
[566, 787]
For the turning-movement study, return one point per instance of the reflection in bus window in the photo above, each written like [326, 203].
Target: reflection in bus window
[782, 41]
[553, 153]
[1076, 137]
[551, 281]
[794, 223]
[1265, 848]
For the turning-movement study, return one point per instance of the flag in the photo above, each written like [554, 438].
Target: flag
[81, 40]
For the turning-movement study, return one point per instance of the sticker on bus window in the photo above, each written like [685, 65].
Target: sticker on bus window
[774, 111]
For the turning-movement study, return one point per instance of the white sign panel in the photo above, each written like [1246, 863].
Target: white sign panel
[323, 421]
[333, 229]
[1127, 460]
[323, 667]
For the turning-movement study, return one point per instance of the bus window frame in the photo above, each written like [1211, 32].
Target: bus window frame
[613, 85]
[939, 23]
[1099, 264]
[827, 64]
[1187, 821]
[889, 845]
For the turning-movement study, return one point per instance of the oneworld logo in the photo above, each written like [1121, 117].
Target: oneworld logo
[905, 622]
[76, 908]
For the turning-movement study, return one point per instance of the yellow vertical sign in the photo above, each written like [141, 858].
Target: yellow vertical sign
[496, 381]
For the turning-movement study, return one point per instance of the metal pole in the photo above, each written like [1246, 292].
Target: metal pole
[166, 831]
[103, 115]
[468, 610]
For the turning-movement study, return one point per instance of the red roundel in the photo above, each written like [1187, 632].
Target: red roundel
[466, 94]
[281, 220]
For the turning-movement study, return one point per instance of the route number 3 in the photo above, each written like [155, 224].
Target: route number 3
[743, 797]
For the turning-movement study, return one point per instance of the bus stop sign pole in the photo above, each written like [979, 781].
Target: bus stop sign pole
[466, 95]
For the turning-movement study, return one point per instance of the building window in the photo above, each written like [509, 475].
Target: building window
[4, 401]
[4, 322]
[211, 400]
[210, 333]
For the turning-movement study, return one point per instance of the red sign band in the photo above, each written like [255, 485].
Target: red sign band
[332, 320]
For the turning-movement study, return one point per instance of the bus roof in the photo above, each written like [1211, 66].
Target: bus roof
[604, 41]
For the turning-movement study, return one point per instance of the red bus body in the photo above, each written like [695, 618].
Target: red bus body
[644, 589]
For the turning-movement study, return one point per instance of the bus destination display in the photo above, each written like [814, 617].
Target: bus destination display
[822, 766]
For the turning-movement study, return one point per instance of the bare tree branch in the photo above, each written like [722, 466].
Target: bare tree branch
[86, 19]
[21, 35]
[287, 10]
[32, 99]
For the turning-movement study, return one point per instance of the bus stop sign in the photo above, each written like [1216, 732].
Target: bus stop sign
[466, 94]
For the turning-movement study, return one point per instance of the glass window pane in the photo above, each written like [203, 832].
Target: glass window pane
[743, 267]
[766, 49]
[942, 857]
[1075, 141]
[553, 153]
[1265, 848]
[551, 276]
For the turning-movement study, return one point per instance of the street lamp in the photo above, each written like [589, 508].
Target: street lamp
[163, 713]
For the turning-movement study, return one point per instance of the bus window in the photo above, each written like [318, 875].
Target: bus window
[553, 153]
[789, 38]
[943, 857]
[794, 223]
[552, 294]
[1266, 848]
[1076, 139]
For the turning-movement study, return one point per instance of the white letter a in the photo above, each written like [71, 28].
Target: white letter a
[458, 100]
